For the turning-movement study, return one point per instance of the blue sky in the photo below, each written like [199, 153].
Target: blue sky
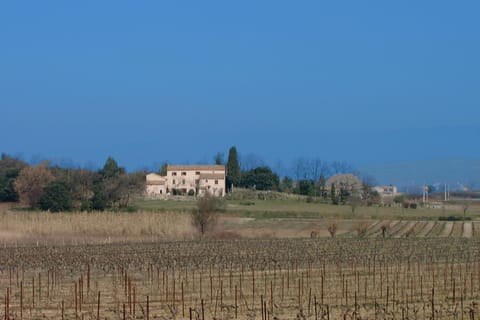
[368, 82]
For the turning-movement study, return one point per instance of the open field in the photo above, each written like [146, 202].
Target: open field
[269, 221]
[267, 209]
[151, 264]
[41, 228]
[244, 279]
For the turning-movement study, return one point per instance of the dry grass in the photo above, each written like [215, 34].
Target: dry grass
[27, 227]
[99, 227]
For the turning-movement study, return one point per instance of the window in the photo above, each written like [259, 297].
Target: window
[183, 181]
[206, 180]
[216, 181]
[184, 173]
[173, 181]
[174, 174]
[197, 173]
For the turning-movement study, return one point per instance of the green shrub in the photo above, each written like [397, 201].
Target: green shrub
[57, 197]
[453, 218]
[247, 203]
[399, 198]
[178, 192]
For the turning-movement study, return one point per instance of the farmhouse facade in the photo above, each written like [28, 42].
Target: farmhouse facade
[187, 180]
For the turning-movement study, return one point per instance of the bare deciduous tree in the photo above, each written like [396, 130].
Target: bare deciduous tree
[385, 227]
[354, 201]
[251, 161]
[31, 182]
[332, 228]
[361, 228]
[204, 216]
[465, 207]
[341, 167]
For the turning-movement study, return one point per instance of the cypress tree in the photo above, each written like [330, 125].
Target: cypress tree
[233, 168]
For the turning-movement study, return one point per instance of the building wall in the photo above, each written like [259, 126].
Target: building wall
[181, 179]
[213, 184]
[386, 190]
[196, 179]
[155, 186]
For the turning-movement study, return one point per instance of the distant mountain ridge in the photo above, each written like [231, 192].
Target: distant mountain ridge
[458, 173]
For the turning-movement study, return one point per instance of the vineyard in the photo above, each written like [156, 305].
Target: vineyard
[294, 228]
[351, 278]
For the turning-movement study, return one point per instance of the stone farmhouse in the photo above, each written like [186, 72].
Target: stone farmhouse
[187, 180]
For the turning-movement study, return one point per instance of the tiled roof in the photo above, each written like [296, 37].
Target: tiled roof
[196, 168]
[156, 182]
[212, 176]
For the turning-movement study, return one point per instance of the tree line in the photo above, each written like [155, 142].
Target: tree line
[310, 178]
[53, 188]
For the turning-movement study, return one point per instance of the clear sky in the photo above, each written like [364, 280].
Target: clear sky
[148, 81]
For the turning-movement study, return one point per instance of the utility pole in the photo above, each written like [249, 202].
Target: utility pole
[425, 194]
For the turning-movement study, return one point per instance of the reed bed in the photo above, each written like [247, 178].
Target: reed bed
[17, 227]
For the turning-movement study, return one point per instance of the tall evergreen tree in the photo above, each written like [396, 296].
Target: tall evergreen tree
[218, 158]
[333, 194]
[234, 174]
[9, 171]
[111, 169]
[163, 170]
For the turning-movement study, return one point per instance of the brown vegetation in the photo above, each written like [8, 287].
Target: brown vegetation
[234, 279]
[361, 228]
[332, 228]
[204, 215]
[31, 182]
[18, 227]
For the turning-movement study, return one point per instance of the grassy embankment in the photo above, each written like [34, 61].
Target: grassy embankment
[291, 208]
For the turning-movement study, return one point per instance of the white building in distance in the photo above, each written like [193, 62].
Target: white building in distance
[386, 191]
[187, 180]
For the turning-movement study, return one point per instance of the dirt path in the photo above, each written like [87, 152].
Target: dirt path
[426, 229]
[447, 229]
[467, 230]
